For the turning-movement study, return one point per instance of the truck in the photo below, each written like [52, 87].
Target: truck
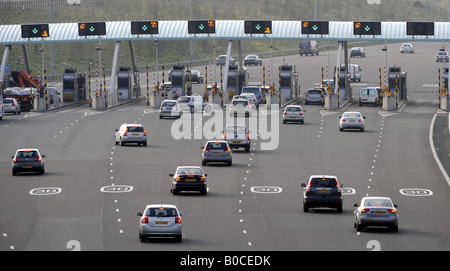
[308, 47]
[24, 96]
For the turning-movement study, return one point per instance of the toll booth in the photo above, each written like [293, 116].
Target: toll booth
[178, 80]
[342, 82]
[286, 81]
[232, 87]
[124, 83]
[397, 82]
[445, 81]
[74, 85]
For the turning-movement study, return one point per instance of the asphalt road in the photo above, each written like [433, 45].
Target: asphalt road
[391, 158]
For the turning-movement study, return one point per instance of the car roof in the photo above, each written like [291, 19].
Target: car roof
[189, 167]
[132, 124]
[323, 176]
[27, 150]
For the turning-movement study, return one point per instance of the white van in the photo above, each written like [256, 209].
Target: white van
[355, 72]
[369, 95]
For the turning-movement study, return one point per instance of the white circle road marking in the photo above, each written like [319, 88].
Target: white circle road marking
[117, 189]
[416, 192]
[266, 189]
[45, 191]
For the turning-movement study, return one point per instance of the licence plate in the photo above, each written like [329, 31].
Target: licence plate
[135, 134]
[190, 180]
[216, 153]
[364, 100]
[352, 121]
[324, 191]
[293, 117]
[27, 166]
[378, 213]
[161, 223]
[236, 142]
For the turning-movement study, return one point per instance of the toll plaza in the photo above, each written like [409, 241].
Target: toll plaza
[288, 81]
[396, 90]
[178, 82]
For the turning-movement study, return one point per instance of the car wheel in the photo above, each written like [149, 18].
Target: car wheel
[144, 144]
[339, 209]
[204, 192]
[203, 163]
[394, 228]
[230, 163]
[178, 238]
[121, 142]
[359, 227]
[341, 129]
[14, 173]
[191, 109]
[174, 192]
[142, 238]
[305, 208]
[42, 171]
[247, 149]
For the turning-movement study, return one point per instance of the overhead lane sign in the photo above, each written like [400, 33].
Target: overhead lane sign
[258, 27]
[202, 27]
[92, 29]
[315, 27]
[420, 28]
[367, 28]
[35, 31]
[144, 27]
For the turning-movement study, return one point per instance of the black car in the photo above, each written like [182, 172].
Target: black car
[196, 76]
[188, 178]
[322, 191]
[357, 51]
[28, 160]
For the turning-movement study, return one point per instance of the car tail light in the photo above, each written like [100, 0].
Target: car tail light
[225, 137]
[301, 113]
[16, 160]
[145, 133]
[343, 120]
[363, 211]
[126, 132]
[227, 150]
[177, 220]
[248, 137]
[285, 113]
[202, 179]
[360, 120]
[392, 211]
[178, 179]
[38, 159]
[206, 150]
[145, 220]
[13, 104]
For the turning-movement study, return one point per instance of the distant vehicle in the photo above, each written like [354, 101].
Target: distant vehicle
[370, 95]
[351, 120]
[23, 95]
[357, 51]
[196, 76]
[188, 178]
[407, 48]
[160, 220]
[322, 191]
[2, 110]
[252, 60]
[216, 151]
[170, 109]
[221, 60]
[251, 98]
[442, 56]
[11, 105]
[131, 133]
[293, 113]
[257, 90]
[28, 160]
[193, 104]
[375, 211]
[240, 107]
[314, 95]
[355, 72]
[237, 136]
[308, 47]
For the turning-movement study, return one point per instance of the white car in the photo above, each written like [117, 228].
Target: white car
[160, 220]
[131, 133]
[170, 109]
[11, 105]
[293, 113]
[251, 98]
[351, 120]
[407, 48]
[237, 136]
[240, 107]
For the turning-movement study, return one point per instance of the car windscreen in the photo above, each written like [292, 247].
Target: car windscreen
[161, 212]
[323, 182]
[240, 102]
[184, 99]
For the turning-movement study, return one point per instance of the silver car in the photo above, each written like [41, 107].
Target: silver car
[293, 113]
[313, 95]
[131, 133]
[160, 220]
[216, 151]
[240, 107]
[376, 211]
[407, 48]
[170, 109]
[237, 136]
[11, 105]
[351, 120]
[28, 160]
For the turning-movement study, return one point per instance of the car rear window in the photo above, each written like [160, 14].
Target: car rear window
[352, 115]
[315, 91]
[8, 101]
[323, 182]
[27, 154]
[235, 129]
[184, 99]
[161, 212]
[251, 90]
[293, 109]
[190, 171]
[217, 146]
[169, 104]
[378, 203]
[135, 129]
[240, 102]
